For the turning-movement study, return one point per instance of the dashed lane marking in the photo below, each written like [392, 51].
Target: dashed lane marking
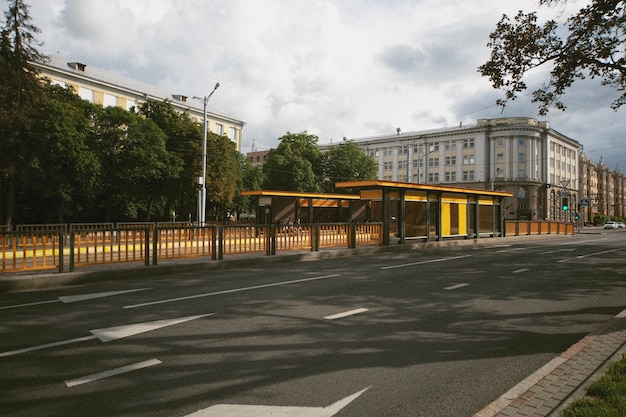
[111, 372]
[346, 314]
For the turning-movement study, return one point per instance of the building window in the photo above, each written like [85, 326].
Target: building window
[451, 176]
[468, 143]
[110, 100]
[468, 175]
[500, 158]
[521, 157]
[433, 162]
[86, 94]
[219, 129]
[232, 134]
[522, 141]
[468, 159]
[433, 177]
[500, 142]
[521, 173]
[450, 160]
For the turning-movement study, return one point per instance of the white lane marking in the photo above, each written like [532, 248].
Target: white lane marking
[119, 332]
[621, 315]
[237, 410]
[559, 250]
[48, 345]
[346, 314]
[30, 304]
[598, 253]
[111, 333]
[425, 262]
[514, 249]
[83, 297]
[210, 294]
[519, 271]
[454, 287]
[111, 372]
[75, 298]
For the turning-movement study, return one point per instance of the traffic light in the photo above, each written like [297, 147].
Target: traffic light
[565, 204]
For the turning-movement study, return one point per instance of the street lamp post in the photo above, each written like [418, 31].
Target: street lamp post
[202, 179]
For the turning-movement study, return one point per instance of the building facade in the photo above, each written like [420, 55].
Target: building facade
[520, 155]
[108, 88]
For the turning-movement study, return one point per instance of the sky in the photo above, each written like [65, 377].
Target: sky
[333, 68]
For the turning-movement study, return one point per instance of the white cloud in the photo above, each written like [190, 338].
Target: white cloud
[334, 68]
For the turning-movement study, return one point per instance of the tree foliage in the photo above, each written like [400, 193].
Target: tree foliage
[184, 142]
[295, 165]
[348, 162]
[64, 170]
[22, 95]
[594, 47]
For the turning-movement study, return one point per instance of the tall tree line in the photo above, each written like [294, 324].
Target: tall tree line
[64, 159]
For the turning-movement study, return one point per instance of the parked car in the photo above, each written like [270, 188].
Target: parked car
[611, 225]
[620, 225]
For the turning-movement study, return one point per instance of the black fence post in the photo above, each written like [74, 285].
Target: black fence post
[352, 241]
[220, 243]
[61, 251]
[72, 241]
[155, 244]
[147, 245]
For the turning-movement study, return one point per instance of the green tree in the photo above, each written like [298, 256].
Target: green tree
[251, 179]
[184, 142]
[594, 47]
[22, 95]
[60, 181]
[295, 165]
[223, 175]
[135, 165]
[348, 162]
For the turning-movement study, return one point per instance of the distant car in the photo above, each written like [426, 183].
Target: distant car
[610, 225]
[620, 225]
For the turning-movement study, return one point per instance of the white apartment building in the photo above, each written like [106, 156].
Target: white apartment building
[107, 88]
[520, 155]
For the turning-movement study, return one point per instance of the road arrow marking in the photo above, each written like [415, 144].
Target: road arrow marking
[119, 332]
[111, 333]
[346, 314]
[236, 410]
[75, 298]
[111, 372]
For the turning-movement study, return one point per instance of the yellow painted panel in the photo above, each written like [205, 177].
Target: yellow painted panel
[98, 98]
[485, 201]
[463, 219]
[445, 219]
[457, 200]
[415, 197]
[372, 194]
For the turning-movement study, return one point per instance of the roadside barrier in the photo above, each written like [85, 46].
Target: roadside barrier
[49, 247]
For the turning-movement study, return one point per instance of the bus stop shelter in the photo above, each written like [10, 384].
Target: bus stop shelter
[431, 212]
[407, 211]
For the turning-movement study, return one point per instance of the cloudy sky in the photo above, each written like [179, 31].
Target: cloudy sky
[334, 68]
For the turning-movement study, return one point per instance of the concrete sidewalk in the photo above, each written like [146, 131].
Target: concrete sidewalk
[566, 378]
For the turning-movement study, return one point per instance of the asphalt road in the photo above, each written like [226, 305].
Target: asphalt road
[433, 334]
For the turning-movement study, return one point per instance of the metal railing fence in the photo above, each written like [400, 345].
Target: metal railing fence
[48, 247]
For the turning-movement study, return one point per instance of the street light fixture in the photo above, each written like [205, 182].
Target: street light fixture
[202, 179]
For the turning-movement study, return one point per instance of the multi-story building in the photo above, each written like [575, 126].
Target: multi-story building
[602, 191]
[520, 155]
[108, 88]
